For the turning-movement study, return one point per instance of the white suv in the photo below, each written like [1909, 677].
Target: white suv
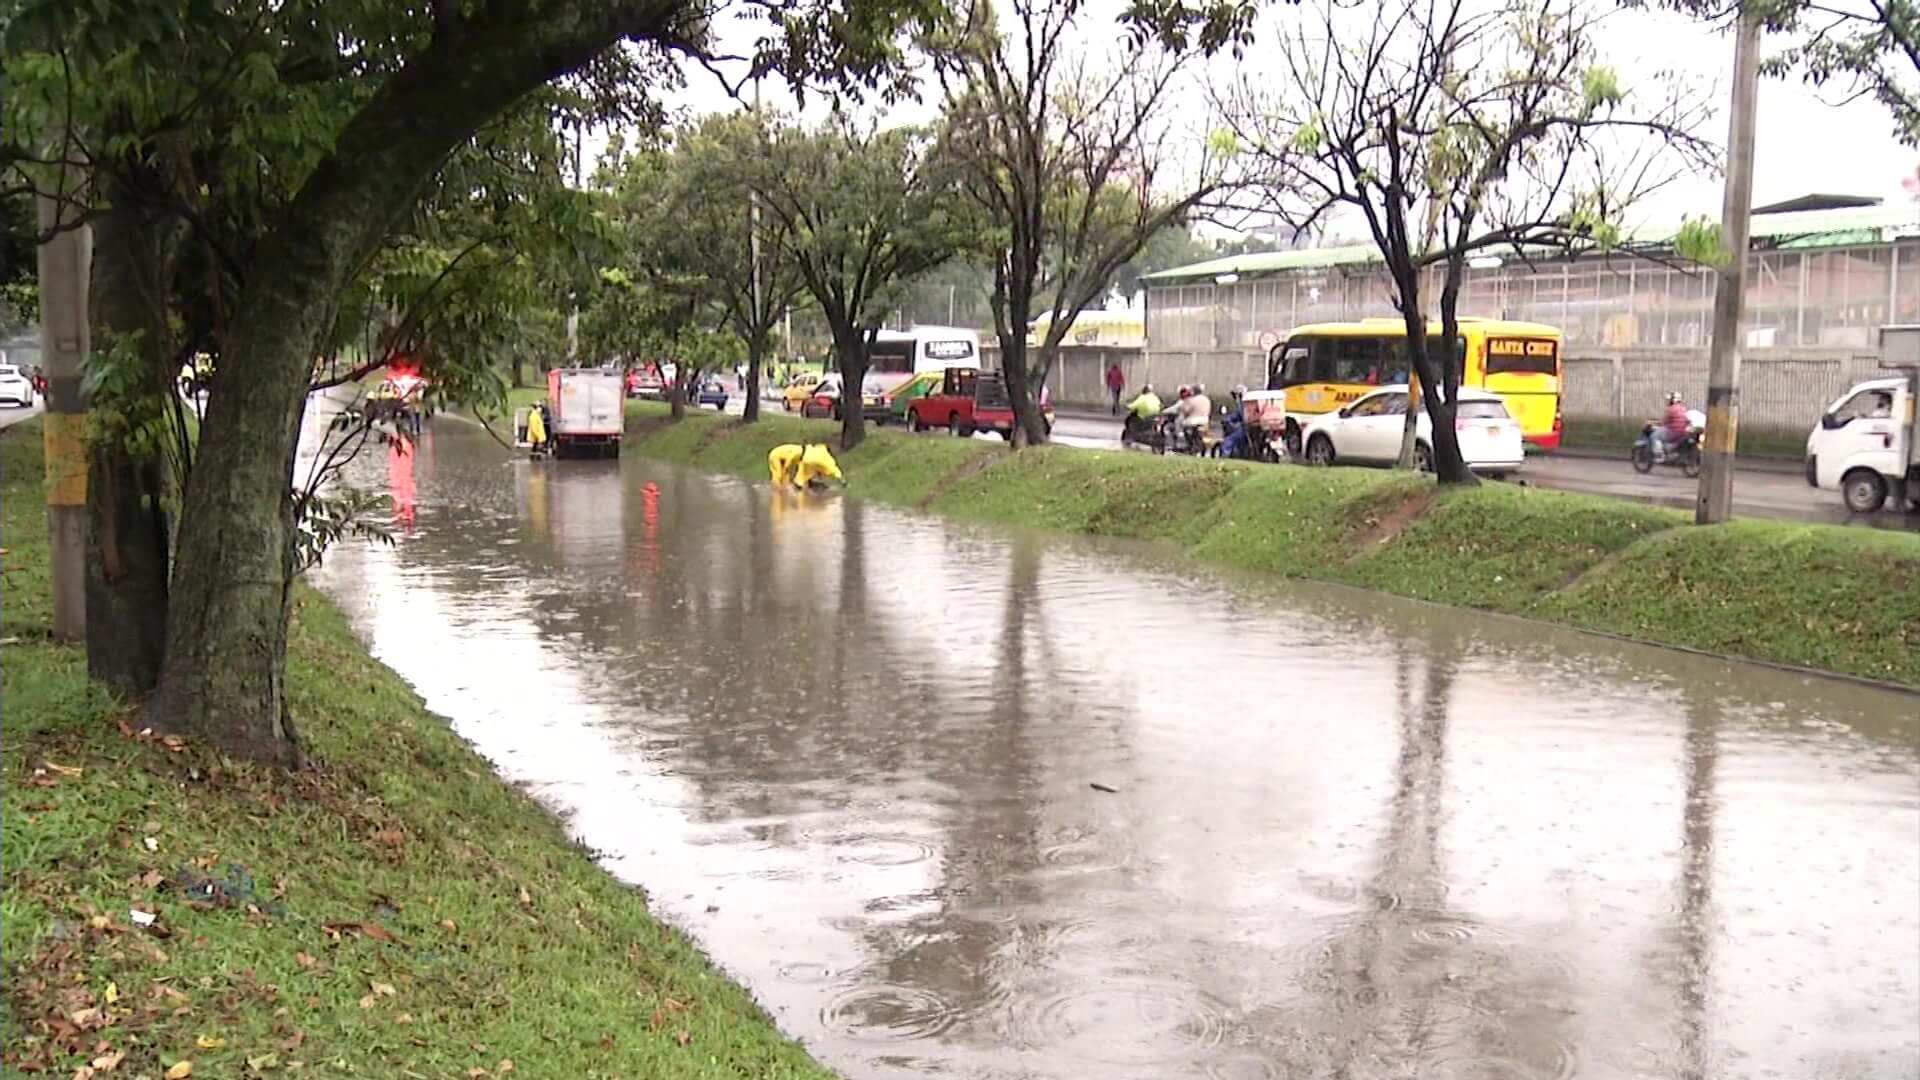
[1367, 432]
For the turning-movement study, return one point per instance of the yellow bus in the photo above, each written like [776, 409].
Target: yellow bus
[1325, 365]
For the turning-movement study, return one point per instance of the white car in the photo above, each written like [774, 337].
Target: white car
[1367, 432]
[15, 388]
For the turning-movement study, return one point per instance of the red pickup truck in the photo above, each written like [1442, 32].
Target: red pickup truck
[967, 400]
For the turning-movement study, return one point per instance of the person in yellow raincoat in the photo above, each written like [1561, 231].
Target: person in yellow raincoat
[806, 466]
[537, 430]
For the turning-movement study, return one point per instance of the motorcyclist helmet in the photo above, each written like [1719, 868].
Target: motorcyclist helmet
[1186, 392]
[1240, 391]
[1674, 398]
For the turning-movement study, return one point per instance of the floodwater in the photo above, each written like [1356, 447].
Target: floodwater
[853, 752]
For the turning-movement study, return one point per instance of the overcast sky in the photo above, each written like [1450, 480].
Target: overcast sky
[1809, 140]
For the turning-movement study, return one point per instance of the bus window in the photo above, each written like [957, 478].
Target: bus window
[1532, 356]
[890, 356]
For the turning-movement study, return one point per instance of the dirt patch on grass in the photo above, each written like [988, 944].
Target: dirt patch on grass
[639, 427]
[1379, 522]
[965, 469]
[720, 429]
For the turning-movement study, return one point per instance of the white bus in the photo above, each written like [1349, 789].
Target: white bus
[898, 354]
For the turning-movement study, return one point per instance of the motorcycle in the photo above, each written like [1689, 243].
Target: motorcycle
[1684, 455]
[1244, 442]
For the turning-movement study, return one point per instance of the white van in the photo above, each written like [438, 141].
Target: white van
[1867, 443]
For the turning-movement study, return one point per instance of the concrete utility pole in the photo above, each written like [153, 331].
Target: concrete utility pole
[753, 238]
[573, 295]
[66, 264]
[1715, 503]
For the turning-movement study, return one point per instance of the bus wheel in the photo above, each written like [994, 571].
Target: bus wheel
[953, 424]
[1422, 457]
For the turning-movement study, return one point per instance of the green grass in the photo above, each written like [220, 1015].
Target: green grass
[1503, 548]
[1843, 600]
[410, 913]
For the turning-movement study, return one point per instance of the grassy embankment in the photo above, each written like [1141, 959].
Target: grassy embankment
[1844, 600]
[396, 911]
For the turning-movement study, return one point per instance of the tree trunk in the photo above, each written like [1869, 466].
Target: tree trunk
[677, 393]
[850, 345]
[227, 623]
[1449, 465]
[756, 359]
[1016, 300]
[515, 368]
[127, 529]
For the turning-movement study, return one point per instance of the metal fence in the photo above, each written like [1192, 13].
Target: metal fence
[1835, 297]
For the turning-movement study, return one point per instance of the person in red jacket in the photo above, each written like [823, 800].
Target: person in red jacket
[1116, 381]
[1673, 430]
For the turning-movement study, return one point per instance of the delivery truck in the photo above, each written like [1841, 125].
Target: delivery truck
[1867, 444]
[587, 407]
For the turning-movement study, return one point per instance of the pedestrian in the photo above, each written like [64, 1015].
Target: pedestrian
[1116, 382]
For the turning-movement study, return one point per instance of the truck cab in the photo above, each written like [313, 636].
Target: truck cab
[1867, 443]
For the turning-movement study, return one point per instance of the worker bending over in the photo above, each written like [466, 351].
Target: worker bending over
[809, 466]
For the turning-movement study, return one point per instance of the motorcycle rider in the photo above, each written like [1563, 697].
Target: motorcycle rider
[1140, 413]
[1198, 418]
[1234, 423]
[1187, 419]
[1673, 430]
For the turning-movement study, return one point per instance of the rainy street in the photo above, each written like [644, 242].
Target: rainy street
[971, 802]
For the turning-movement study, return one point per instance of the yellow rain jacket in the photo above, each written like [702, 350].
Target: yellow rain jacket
[800, 465]
[536, 428]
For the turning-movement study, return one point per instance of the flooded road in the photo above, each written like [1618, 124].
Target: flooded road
[853, 751]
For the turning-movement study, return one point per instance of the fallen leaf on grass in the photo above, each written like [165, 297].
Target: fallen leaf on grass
[682, 1037]
[505, 1066]
[109, 1061]
[112, 993]
[391, 837]
[209, 1042]
[305, 960]
[262, 1062]
[383, 989]
[367, 1002]
[293, 1041]
[372, 930]
[180, 1070]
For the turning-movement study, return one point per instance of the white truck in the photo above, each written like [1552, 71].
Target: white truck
[1867, 444]
[588, 407]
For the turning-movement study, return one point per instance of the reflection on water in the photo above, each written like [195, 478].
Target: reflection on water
[853, 751]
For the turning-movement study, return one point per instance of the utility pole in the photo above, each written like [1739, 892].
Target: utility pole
[1715, 502]
[573, 295]
[66, 266]
[752, 391]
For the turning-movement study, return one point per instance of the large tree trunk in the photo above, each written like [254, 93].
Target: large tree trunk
[127, 530]
[850, 346]
[1014, 304]
[756, 359]
[227, 627]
